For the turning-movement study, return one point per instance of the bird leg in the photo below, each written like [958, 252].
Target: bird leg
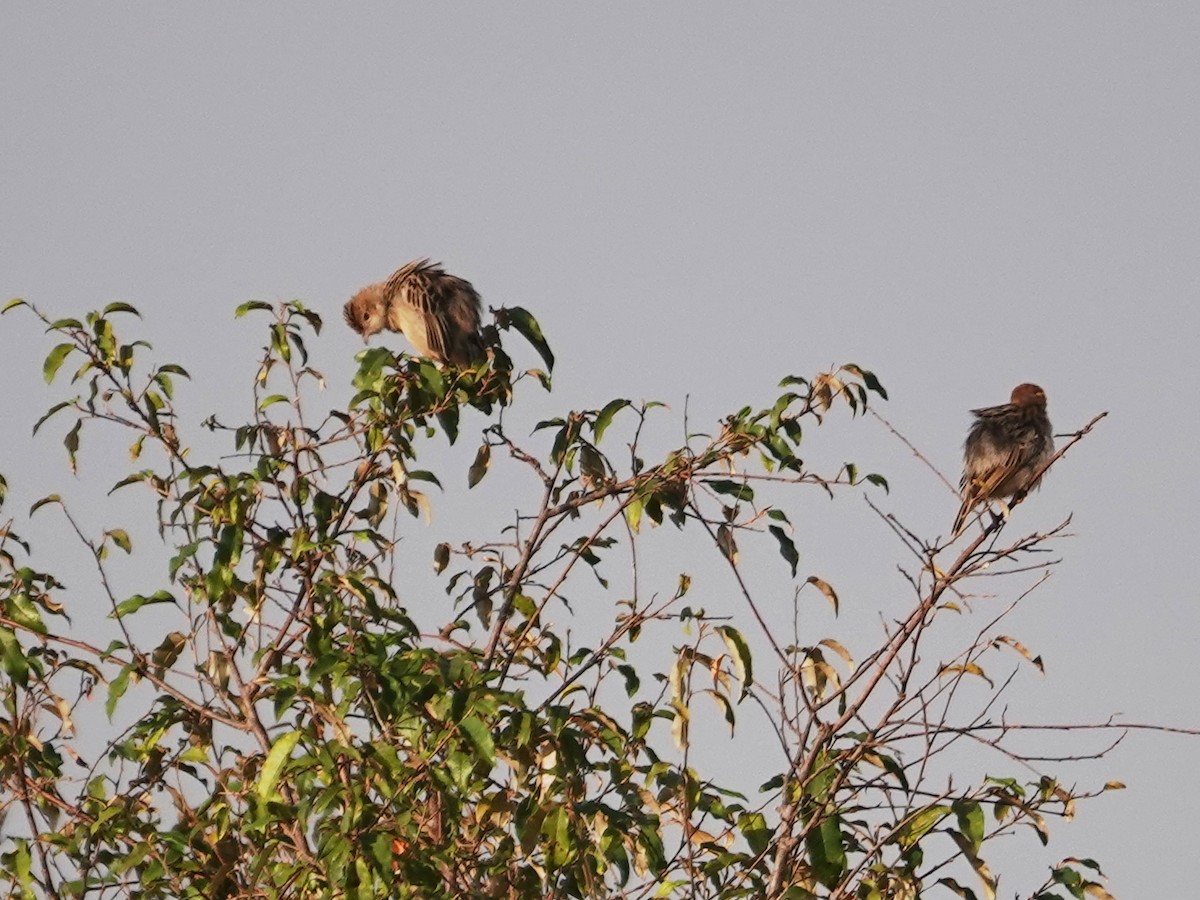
[1006, 507]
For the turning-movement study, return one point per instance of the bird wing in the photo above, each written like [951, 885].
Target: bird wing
[438, 312]
[412, 293]
[988, 468]
[994, 450]
[461, 309]
[1004, 451]
[1000, 448]
[401, 274]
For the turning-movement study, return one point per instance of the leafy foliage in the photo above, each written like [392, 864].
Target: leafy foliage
[295, 732]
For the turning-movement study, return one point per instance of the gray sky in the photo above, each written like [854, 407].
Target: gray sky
[696, 200]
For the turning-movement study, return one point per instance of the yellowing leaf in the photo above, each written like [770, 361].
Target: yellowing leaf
[679, 726]
[825, 589]
[633, 513]
[838, 649]
[726, 542]
[479, 468]
[1021, 649]
[739, 652]
[967, 669]
[272, 768]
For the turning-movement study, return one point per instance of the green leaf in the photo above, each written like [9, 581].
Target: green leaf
[57, 407]
[892, 767]
[448, 419]
[120, 307]
[480, 738]
[167, 652]
[879, 481]
[633, 513]
[872, 382]
[251, 305]
[312, 318]
[423, 475]
[137, 601]
[71, 442]
[920, 824]
[54, 361]
[527, 325]
[970, 821]
[441, 558]
[49, 498]
[121, 538]
[632, 682]
[281, 752]
[117, 688]
[787, 548]
[739, 490]
[12, 304]
[272, 400]
[1070, 879]
[298, 342]
[479, 468]
[826, 851]
[12, 657]
[739, 652]
[755, 830]
[605, 416]
[22, 611]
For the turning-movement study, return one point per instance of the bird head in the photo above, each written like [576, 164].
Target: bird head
[365, 312]
[1028, 395]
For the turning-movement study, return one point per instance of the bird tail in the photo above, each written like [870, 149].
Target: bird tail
[960, 520]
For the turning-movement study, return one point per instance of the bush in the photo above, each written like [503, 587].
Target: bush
[288, 721]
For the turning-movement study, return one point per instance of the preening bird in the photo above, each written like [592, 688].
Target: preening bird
[439, 313]
[1005, 450]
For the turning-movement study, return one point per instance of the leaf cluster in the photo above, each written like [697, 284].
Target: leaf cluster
[293, 730]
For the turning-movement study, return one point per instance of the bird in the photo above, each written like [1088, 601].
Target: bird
[1005, 451]
[438, 312]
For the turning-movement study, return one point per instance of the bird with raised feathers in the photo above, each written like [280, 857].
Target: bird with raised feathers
[1005, 451]
[438, 312]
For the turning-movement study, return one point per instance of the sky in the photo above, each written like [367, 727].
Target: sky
[695, 200]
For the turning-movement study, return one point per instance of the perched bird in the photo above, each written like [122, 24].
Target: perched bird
[439, 313]
[1005, 450]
